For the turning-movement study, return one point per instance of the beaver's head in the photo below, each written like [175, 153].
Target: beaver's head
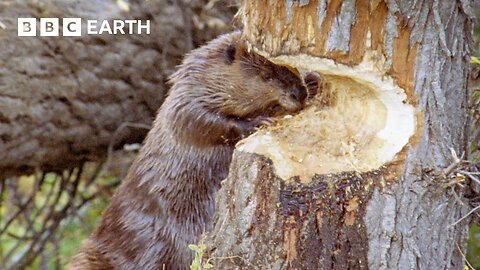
[267, 88]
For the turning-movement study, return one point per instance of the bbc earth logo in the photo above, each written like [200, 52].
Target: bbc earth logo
[72, 27]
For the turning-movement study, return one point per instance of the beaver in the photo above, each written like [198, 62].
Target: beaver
[221, 93]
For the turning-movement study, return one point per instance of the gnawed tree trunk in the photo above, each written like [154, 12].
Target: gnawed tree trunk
[64, 100]
[356, 180]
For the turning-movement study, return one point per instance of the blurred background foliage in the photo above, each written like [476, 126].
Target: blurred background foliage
[473, 246]
[45, 216]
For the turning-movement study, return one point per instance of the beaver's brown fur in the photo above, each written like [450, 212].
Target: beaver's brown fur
[219, 94]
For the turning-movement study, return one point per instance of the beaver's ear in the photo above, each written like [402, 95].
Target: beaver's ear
[230, 52]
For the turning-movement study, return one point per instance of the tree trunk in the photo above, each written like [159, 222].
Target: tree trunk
[359, 181]
[64, 100]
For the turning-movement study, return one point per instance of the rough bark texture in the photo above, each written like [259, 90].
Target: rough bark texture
[62, 99]
[397, 217]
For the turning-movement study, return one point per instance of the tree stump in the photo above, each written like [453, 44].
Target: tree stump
[358, 179]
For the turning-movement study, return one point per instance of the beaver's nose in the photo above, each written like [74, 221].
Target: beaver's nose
[298, 93]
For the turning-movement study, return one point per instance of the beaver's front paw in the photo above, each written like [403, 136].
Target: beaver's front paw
[251, 125]
[313, 82]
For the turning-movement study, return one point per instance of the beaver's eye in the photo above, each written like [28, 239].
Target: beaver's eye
[266, 77]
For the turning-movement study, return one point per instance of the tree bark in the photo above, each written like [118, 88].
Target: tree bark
[396, 215]
[64, 100]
